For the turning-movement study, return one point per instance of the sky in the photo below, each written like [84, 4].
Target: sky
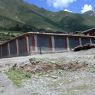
[75, 6]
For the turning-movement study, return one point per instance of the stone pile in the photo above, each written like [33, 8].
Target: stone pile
[84, 47]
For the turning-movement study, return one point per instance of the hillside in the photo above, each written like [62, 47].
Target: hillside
[17, 15]
[49, 74]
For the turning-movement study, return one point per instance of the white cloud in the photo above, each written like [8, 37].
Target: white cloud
[67, 10]
[60, 4]
[86, 8]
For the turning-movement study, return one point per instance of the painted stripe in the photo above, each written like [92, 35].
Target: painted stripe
[1, 51]
[9, 49]
[53, 43]
[65, 46]
[33, 43]
[27, 44]
[80, 41]
[36, 46]
[90, 41]
[68, 45]
[50, 44]
[17, 47]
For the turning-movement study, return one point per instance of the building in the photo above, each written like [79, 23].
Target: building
[36, 42]
[90, 32]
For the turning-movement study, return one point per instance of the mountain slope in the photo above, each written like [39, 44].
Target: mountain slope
[15, 13]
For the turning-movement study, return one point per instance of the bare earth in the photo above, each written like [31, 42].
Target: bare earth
[57, 82]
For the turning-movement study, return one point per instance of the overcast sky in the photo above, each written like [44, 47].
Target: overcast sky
[76, 6]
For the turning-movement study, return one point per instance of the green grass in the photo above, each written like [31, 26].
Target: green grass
[31, 15]
[8, 35]
[15, 33]
[17, 76]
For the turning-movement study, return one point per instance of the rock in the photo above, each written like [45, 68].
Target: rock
[14, 66]
[60, 66]
[85, 47]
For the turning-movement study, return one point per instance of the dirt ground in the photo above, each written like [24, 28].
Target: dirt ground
[67, 73]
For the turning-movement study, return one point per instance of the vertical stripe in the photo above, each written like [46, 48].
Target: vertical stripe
[53, 43]
[9, 49]
[17, 47]
[36, 48]
[50, 43]
[65, 46]
[1, 51]
[68, 45]
[80, 41]
[27, 44]
[33, 43]
[90, 41]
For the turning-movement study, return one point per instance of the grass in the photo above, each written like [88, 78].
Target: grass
[42, 19]
[15, 33]
[17, 76]
[8, 35]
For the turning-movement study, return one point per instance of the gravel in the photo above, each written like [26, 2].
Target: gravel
[81, 82]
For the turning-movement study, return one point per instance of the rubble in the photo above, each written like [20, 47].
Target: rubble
[84, 47]
[41, 66]
[51, 74]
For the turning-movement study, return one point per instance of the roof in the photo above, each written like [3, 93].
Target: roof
[89, 30]
[46, 33]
